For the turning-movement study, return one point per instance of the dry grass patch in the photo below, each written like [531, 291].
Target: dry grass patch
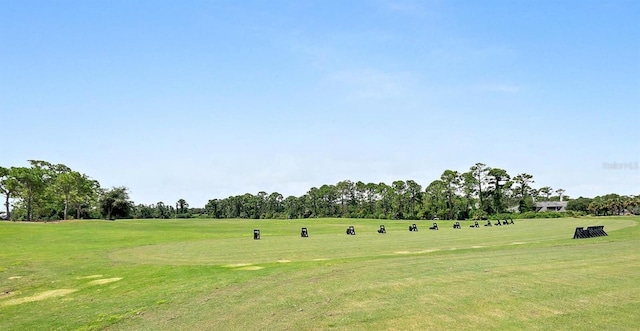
[39, 297]
[104, 281]
[252, 268]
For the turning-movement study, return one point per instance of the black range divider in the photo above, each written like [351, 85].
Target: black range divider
[589, 232]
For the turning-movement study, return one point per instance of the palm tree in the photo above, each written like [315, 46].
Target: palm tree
[181, 205]
[594, 207]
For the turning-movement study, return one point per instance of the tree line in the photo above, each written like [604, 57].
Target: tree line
[478, 193]
[606, 205]
[46, 191]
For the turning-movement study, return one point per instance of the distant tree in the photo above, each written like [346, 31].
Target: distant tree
[274, 205]
[212, 208]
[293, 206]
[414, 199]
[257, 204]
[32, 184]
[546, 192]
[596, 206]
[162, 211]
[8, 186]
[371, 196]
[614, 203]
[451, 181]
[630, 204]
[314, 201]
[522, 191]
[480, 172]
[115, 203]
[65, 184]
[328, 200]
[85, 196]
[398, 188]
[143, 211]
[182, 206]
[498, 179]
[346, 194]
[579, 204]
[435, 200]
[385, 194]
[534, 193]
[469, 185]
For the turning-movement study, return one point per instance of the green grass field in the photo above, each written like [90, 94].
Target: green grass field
[211, 274]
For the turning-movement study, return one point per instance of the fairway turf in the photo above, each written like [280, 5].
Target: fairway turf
[211, 274]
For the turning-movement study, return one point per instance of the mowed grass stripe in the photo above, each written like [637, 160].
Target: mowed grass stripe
[281, 241]
[501, 289]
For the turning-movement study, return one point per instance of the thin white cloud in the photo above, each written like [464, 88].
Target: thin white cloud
[460, 49]
[500, 88]
[318, 56]
[372, 84]
[409, 8]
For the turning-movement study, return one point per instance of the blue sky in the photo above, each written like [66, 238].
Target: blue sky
[207, 99]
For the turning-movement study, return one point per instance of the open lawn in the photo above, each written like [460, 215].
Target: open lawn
[211, 274]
